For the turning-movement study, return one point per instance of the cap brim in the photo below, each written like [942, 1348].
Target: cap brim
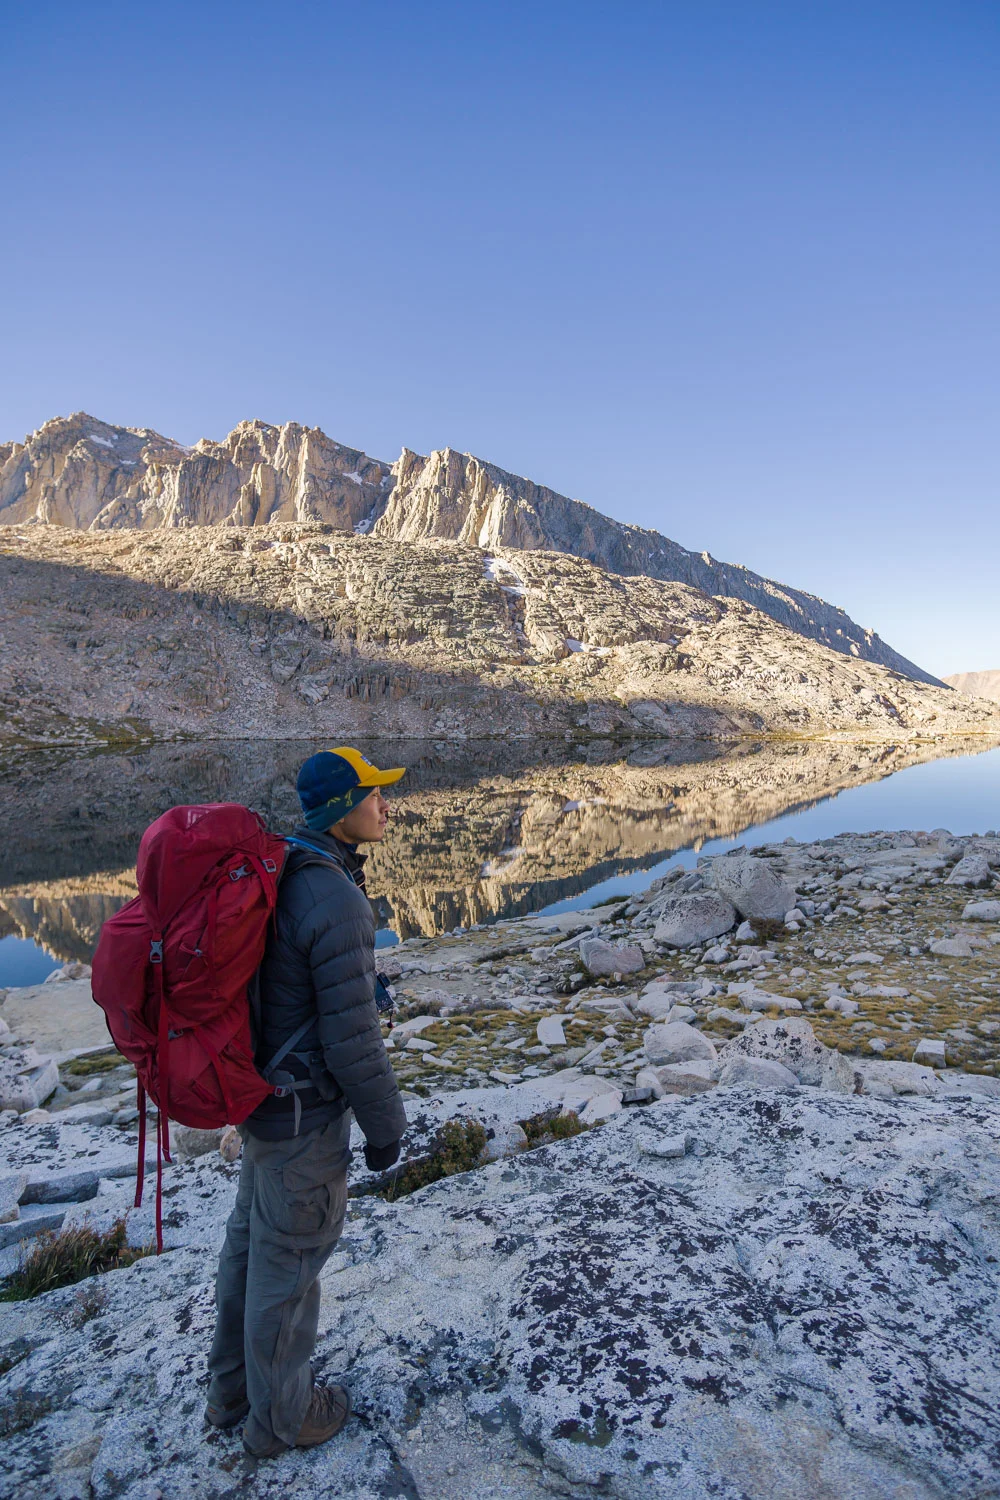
[374, 777]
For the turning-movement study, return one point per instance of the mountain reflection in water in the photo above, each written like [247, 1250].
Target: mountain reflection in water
[478, 831]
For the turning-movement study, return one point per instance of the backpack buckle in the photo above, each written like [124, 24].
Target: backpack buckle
[156, 951]
[239, 874]
[270, 866]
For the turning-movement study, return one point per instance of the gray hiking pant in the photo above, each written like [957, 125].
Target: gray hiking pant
[289, 1212]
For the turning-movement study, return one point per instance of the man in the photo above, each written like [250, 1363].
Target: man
[319, 1036]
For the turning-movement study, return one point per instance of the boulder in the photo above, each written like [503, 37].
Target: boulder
[72, 1186]
[931, 1052]
[957, 947]
[752, 886]
[791, 1042]
[973, 870]
[604, 959]
[887, 1079]
[695, 1077]
[648, 1078]
[756, 1073]
[982, 911]
[656, 1004]
[677, 1042]
[751, 998]
[550, 1031]
[694, 918]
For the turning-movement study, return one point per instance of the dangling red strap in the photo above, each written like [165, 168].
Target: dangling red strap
[140, 1100]
[160, 1131]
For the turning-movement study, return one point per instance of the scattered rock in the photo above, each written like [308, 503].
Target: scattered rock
[756, 1073]
[958, 947]
[695, 1077]
[605, 959]
[982, 911]
[504, 1140]
[931, 1052]
[751, 886]
[972, 870]
[840, 1075]
[550, 1031]
[695, 918]
[677, 1042]
[886, 1079]
[791, 1042]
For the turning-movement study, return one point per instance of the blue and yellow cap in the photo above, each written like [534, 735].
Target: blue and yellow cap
[332, 782]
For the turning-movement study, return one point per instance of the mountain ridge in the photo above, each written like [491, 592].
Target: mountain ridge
[85, 474]
[976, 684]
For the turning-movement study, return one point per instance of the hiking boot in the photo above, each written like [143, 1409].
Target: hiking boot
[329, 1409]
[228, 1415]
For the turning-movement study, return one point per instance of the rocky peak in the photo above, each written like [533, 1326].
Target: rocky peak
[84, 474]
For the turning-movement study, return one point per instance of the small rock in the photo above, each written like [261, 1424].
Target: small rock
[645, 1095]
[647, 1078]
[504, 1140]
[717, 955]
[886, 1079]
[791, 1041]
[839, 1074]
[931, 1052]
[864, 957]
[230, 1143]
[751, 998]
[745, 933]
[599, 1107]
[25, 1226]
[664, 1147]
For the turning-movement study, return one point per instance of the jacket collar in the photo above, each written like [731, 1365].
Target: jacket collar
[345, 854]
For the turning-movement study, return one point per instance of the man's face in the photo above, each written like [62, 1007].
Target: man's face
[365, 824]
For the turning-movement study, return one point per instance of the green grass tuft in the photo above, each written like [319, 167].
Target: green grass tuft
[70, 1255]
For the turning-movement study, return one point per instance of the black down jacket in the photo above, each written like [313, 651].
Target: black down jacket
[319, 964]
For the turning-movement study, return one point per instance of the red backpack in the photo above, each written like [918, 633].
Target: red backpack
[173, 970]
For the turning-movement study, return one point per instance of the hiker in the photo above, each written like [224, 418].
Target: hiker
[319, 1032]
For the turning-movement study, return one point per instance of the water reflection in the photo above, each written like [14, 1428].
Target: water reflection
[479, 831]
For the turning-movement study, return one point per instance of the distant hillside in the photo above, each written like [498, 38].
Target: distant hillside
[979, 684]
[85, 474]
[301, 631]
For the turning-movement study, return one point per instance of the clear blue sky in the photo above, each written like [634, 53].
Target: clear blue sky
[728, 270]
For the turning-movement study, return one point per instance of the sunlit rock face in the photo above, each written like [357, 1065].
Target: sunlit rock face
[303, 631]
[475, 833]
[82, 473]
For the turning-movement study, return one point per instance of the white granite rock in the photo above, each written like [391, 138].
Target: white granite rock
[756, 1073]
[550, 1031]
[959, 947]
[887, 1079]
[982, 911]
[751, 886]
[694, 918]
[677, 1042]
[592, 1317]
[694, 1077]
[604, 959]
[931, 1052]
[791, 1042]
[840, 1075]
[972, 870]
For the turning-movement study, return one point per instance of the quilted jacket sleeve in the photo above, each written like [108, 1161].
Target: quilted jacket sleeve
[339, 936]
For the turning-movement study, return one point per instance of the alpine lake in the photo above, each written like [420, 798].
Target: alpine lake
[479, 831]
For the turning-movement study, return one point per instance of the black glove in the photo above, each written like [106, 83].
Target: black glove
[380, 1158]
